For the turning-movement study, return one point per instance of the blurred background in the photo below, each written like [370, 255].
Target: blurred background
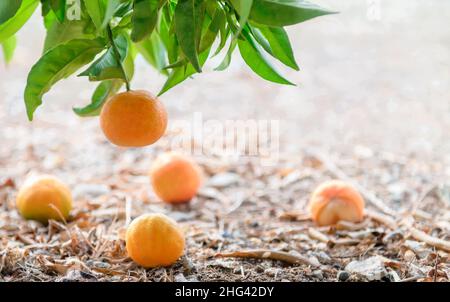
[373, 78]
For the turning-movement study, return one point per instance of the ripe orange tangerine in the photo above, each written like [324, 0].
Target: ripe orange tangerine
[43, 198]
[154, 240]
[133, 119]
[336, 200]
[175, 178]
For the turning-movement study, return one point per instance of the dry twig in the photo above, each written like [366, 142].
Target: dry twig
[383, 219]
[267, 254]
[350, 226]
[315, 234]
[430, 240]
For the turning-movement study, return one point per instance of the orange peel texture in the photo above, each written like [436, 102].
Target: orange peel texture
[154, 240]
[133, 119]
[42, 198]
[336, 200]
[175, 178]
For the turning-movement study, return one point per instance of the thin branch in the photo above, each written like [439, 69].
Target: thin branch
[267, 254]
[383, 219]
[412, 279]
[317, 235]
[430, 240]
[436, 264]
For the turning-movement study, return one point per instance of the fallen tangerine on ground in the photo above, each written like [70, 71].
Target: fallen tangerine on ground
[175, 178]
[43, 198]
[133, 119]
[154, 240]
[336, 200]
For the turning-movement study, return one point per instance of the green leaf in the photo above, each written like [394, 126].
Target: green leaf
[125, 8]
[276, 42]
[182, 62]
[213, 29]
[154, 51]
[49, 19]
[180, 74]
[111, 7]
[58, 63]
[186, 26]
[8, 8]
[224, 33]
[46, 8]
[227, 59]
[145, 16]
[59, 8]
[8, 47]
[125, 21]
[107, 67]
[12, 25]
[285, 12]
[169, 40]
[244, 8]
[95, 10]
[128, 63]
[102, 93]
[252, 55]
[101, 11]
[60, 33]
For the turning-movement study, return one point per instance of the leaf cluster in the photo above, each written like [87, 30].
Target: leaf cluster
[176, 37]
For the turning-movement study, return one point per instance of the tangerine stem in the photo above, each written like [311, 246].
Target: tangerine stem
[117, 56]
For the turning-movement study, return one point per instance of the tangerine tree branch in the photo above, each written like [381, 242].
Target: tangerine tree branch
[117, 56]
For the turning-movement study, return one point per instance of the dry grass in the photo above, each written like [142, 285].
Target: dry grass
[255, 215]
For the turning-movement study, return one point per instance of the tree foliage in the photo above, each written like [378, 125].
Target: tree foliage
[175, 36]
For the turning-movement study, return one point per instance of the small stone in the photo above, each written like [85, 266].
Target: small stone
[343, 276]
[188, 265]
[371, 268]
[180, 278]
[223, 180]
[323, 257]
[72, 276]
[318, 274]
[99, 264]
[192, 279]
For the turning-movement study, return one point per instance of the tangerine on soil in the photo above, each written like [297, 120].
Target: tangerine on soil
[154, 240]
[175, 178]
[336, 200]
[43, 198]
[133, 119]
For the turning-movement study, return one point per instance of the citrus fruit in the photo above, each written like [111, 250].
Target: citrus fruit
[154, 240]
[133, 119]
[43, 198]
[336, 200]
[175, 178]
